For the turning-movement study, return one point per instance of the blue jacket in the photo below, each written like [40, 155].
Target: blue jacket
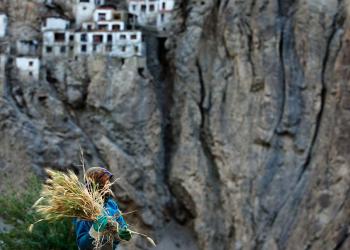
[82, 227]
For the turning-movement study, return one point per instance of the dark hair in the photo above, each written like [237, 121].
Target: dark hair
[98, 176]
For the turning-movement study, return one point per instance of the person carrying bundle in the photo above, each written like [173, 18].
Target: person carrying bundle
[88, 232]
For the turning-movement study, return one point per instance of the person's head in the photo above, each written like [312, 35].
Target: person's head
[99, 176]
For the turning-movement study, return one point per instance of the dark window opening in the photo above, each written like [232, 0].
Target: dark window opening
[94, 48]
[84, 1]
[122, 37]
[89, 27]
[98, 38]
[103, 27]
[101, 16]
[143, 8]
[162, 17]
[137, 49]
[83, 37]
[118, 16]
[109, 38]
[133, 37]
[48, 49]
[30, 63]
[151, 7]
[71, 38]
[63, 49]
[116, 27]
[134, 7]
[83, 48]
[60, 37]
[123, 48]
[163, 6]
[71, 48]
[30, 73]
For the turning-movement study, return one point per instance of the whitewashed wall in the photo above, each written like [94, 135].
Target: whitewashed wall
[54, 23]
[28, 67]
[107, 12]
[145, 16]
[3, 25]
[83, 11]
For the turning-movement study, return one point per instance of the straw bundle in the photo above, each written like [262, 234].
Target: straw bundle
[64, 196]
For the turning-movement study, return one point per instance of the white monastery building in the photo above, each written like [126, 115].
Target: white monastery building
[105, 33]
[152, 13]
[165, 8]
[28, 67]
[3, 24]
[83, 9]
[27, 47]
[56, 36]
[55, 23]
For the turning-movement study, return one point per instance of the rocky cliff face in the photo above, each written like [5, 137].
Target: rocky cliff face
[236, 137]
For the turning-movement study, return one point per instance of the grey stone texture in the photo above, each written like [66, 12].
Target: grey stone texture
[236, 137]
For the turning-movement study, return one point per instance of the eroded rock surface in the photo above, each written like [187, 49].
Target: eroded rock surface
[237, 134]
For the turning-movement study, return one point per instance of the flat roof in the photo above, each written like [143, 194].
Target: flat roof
[105, 31]
[55, 16]
[27, 57]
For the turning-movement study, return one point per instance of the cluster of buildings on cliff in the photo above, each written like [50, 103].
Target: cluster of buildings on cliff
[98, 29]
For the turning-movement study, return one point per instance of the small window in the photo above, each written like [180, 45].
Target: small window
[48, 49]
[84, 8]
[103, 27]
[71, 38]
[98, 38]
[31, 63]
[123, 48]
[71, 48]
[162, 17]
[163, 6]
[101, 16]
[136, 49]
[143, 8]
[60, 37]
[83, 37]
[63, 49]
[151, 8]
[30, 73]
[122, 37]
[134, 7]
[83, 48]
[94, 48]
[109, 38]
[109, 48]
[89, 27]
[133, 37]
[116, 27]
[117, 16]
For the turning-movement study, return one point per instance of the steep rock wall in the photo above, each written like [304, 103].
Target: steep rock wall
[235, 138]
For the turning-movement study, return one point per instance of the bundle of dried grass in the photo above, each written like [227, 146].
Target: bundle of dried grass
[64, 196]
